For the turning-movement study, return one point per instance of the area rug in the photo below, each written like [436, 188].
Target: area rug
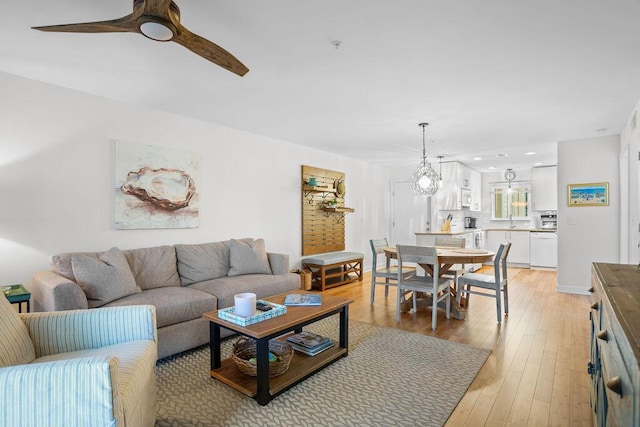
[390, 377]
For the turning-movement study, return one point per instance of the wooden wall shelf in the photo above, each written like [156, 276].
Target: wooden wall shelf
[322, 226]
[338, 209]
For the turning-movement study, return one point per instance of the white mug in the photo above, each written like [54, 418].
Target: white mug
[245, 304]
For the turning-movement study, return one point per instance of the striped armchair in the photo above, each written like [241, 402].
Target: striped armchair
[78, 368]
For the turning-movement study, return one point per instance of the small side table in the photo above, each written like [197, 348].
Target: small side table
[17, 294]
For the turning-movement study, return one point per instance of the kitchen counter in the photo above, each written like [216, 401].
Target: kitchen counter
[533, 230]
[448, 233]
[471, 230]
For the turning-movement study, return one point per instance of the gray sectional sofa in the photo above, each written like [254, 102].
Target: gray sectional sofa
[181, 281]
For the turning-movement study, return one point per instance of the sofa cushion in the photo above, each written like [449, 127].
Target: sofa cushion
[153, 267]
[205, 261]
[104, 279]
[61, 263]
[263, 285]
[173, 305]
[16, 347]
[202, 262]
[248, 258]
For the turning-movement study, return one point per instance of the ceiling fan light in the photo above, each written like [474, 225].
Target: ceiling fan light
[156, 31]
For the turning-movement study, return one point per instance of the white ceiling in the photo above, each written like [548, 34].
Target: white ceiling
[490, 76]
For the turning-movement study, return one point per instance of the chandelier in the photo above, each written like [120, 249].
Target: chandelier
[424, 181]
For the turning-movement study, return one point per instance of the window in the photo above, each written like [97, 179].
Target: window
[514, 203]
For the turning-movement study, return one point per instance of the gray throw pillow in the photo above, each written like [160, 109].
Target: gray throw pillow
[248, 258]
[104, 279]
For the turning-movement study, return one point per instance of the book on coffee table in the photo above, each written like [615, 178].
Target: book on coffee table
[303, 299]
[310, 352]
[308, 340]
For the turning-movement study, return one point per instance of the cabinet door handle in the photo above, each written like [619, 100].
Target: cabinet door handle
[615, 385]
[603, 335]
[595, 305]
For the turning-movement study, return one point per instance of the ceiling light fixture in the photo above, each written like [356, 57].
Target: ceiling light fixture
[477, 158]
[424, 181]
[530, 153]
[157, 29]
[440, 174]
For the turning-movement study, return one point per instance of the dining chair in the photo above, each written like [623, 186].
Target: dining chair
[435, 285]
[491, 285]
[387, 275]
[457, 270]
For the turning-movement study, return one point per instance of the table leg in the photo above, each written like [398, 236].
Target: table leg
[214, 345]
[344, 328]
[262, 371]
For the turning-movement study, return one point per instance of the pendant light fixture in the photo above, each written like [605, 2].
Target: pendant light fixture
[424, 181]
[509, 175]
[440, 174]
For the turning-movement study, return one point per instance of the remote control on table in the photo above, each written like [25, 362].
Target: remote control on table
[263, 307]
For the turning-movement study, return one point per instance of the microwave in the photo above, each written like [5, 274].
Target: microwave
[465, 198]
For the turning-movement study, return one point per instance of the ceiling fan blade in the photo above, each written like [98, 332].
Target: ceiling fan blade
[124, 24]
[209, 51]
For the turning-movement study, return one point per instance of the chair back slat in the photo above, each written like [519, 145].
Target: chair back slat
[500, 263]
[418, 255]
[378, 245]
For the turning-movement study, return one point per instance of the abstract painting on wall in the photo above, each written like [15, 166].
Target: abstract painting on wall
[156, 187]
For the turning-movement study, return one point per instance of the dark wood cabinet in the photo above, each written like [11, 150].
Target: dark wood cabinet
[615, 344]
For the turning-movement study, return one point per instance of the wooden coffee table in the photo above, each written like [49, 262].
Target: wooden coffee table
[262, 388]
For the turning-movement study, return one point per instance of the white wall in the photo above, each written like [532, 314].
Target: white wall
[57, 180]
[591, 233]
[630, 184]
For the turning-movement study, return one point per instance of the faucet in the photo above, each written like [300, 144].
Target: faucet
[511, 224]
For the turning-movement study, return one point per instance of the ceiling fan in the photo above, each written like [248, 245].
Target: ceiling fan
[158, 20]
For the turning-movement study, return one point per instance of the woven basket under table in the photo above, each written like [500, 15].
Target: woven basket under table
[245, 349]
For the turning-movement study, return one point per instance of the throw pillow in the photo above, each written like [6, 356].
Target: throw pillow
[16, 347]
[248, 258]
[104, 279]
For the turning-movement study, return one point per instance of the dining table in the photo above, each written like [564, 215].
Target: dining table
[448, 257]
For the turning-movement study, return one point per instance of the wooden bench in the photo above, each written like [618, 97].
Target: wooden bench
[334, 269]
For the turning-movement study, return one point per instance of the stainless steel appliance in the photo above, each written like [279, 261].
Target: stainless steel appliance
[469, 222]
[549, 221]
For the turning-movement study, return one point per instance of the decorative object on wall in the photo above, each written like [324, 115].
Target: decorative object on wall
[156, 187]
[593, 194]
[323, 210]
[158, 20]
[424, 181]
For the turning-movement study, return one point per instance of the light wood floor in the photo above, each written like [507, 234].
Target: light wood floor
[537, 372]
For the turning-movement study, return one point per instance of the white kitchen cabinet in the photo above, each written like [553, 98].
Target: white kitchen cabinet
[461, 188]
[520, 247]
[475, 184]
[544, 188]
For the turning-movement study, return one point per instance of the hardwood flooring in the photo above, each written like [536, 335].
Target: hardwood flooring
[537, 372]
